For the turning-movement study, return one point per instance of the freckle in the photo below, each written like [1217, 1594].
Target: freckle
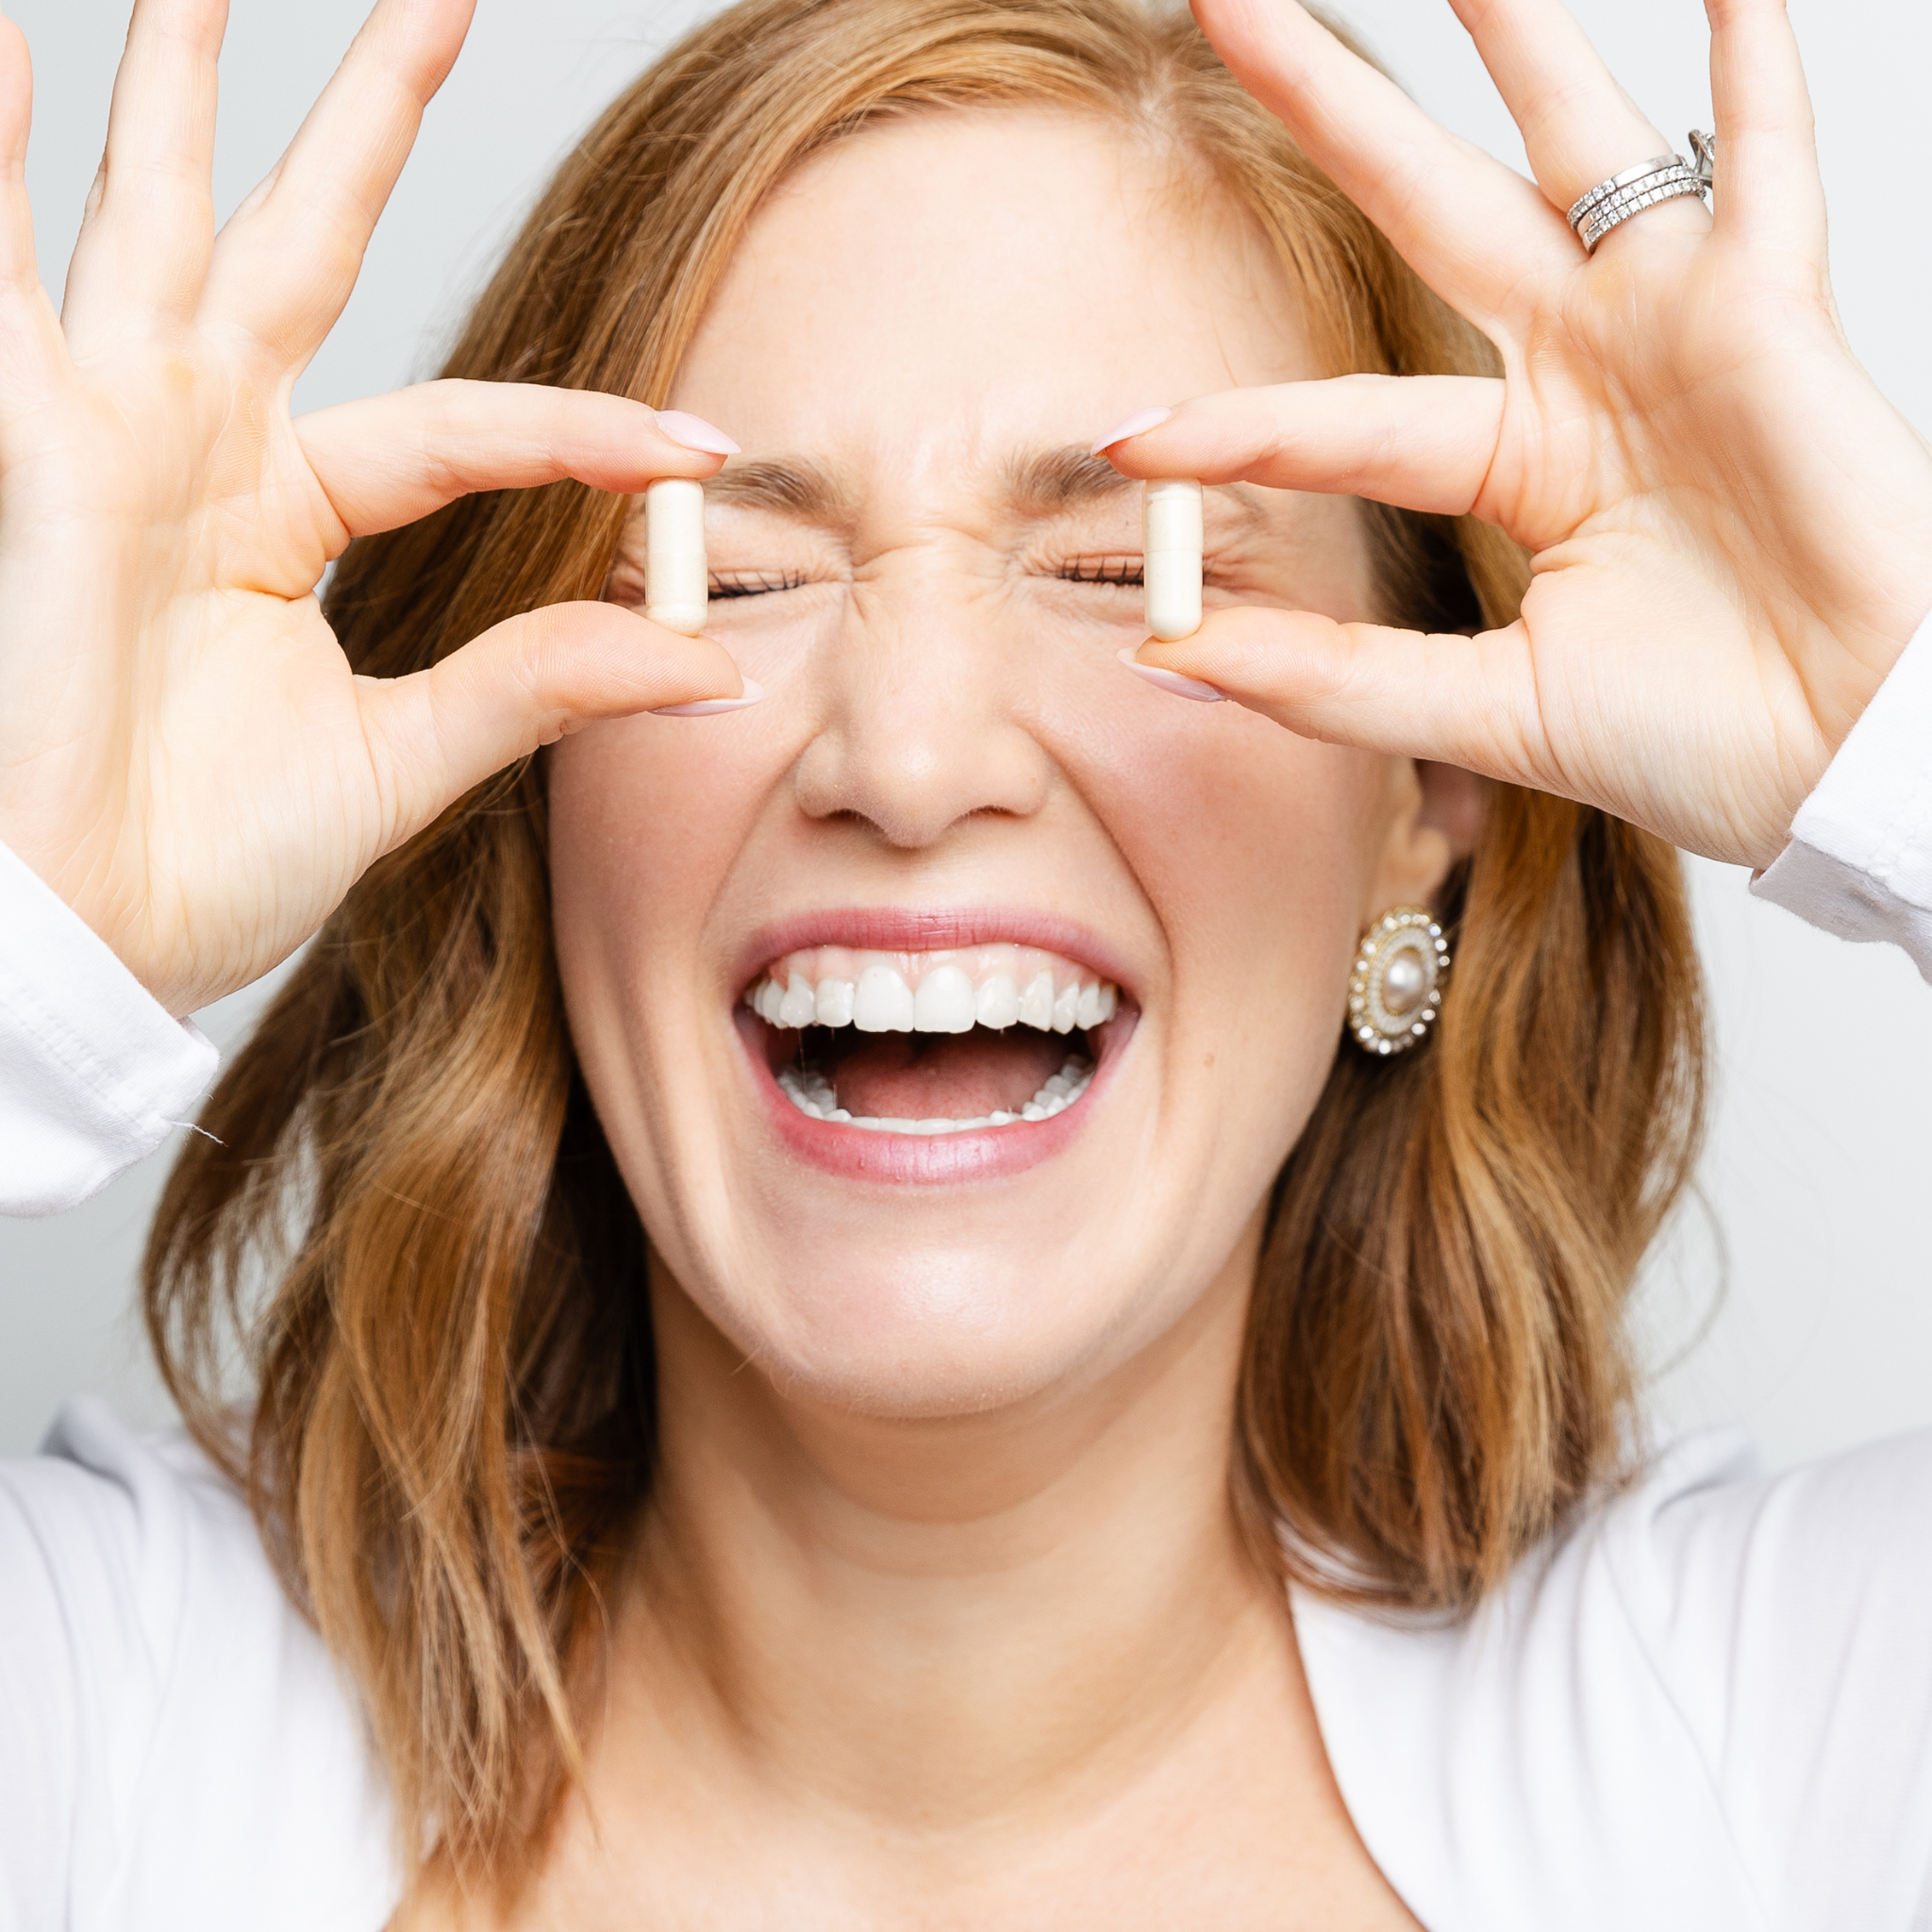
[1209, 1061]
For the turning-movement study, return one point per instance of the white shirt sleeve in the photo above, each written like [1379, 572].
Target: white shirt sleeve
[93, 1073]
[1859, 863]
[176, 1748]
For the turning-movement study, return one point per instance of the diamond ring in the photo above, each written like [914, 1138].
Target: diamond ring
[1664, 177]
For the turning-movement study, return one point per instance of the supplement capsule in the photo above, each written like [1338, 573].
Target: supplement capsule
[676, 578]
[1171, 545]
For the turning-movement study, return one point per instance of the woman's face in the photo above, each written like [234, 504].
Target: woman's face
[955, 800]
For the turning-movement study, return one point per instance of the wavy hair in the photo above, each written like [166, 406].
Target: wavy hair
[407, 1227]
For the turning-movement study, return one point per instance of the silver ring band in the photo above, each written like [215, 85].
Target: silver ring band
[1664, 177]
[1666, 185]
[1583, 203]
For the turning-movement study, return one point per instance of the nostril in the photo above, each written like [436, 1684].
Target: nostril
[908, 769]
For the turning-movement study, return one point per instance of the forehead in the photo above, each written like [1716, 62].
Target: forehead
[951, 285]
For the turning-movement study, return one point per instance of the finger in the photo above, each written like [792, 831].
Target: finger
[150, 223]
[1579, 127]
[19, 271]
[286, 263]
[1419, 441]
[1474, 230]
[434, 735]
[31, 348]
[1467, 701]
[393, 459]
[17, 265]
[1768, 188]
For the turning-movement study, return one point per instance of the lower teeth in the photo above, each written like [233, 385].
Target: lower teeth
[812, 1093]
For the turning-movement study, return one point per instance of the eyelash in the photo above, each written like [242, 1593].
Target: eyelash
[754, 583]
[1118, 571]
[1122, 571]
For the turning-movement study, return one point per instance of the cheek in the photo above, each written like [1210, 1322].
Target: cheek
[647, 818]
[1255, 846]
[652, 822]
[1255, 850]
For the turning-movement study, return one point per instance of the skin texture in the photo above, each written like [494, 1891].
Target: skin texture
[888, 1653]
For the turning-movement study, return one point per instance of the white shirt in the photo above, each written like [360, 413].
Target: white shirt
[1707, 1705]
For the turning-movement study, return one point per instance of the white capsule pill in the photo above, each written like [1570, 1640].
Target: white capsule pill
[676, 579]
[1171, 547]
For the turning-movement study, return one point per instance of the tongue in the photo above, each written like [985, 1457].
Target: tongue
[946, 1076]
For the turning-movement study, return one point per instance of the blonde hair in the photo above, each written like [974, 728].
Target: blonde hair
[453, 1425]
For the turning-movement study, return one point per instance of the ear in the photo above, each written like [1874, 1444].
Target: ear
[1454, 803]
[1436, 815]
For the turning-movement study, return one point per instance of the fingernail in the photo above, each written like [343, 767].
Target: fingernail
[1139, 424]
[709, 707]
[680, 425]
[1202, 693]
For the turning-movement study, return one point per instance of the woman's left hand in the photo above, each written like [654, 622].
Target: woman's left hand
[1731, 527]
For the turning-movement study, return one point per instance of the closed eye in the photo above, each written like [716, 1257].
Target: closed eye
[754, 583]
[1126, 571]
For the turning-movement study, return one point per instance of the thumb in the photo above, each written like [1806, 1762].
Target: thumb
[522, 685]
[1456, 700]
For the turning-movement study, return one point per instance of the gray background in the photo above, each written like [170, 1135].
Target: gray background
[1794, 1299]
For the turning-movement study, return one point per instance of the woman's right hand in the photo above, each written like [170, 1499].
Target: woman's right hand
[184, 755]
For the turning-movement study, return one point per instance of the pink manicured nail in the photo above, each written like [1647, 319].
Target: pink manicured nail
[1202, 693]
[1139, 424]
[680, 425]
[709, 707]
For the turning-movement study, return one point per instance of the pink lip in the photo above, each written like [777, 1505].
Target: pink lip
[932, 1159]
[893, 930]
[924, 1159]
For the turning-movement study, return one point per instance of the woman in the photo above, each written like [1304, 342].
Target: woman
[660, 1495]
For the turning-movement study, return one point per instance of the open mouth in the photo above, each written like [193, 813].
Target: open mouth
[928, 1043]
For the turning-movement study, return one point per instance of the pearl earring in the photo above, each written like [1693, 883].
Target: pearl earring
[1395, 991]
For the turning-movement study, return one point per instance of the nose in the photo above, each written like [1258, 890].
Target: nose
[924, 696]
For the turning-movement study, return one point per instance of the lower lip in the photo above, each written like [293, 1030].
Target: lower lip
[980, 1153]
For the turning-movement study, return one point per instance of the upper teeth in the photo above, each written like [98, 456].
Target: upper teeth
[940, 992]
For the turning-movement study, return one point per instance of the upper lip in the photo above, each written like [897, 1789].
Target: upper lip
[925, 929]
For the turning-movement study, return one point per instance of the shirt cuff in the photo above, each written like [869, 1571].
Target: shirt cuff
[94, 1074]
[1859, 863]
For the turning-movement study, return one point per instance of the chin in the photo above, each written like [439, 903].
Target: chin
[916, 1328]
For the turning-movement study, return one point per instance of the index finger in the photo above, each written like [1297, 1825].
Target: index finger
[1424, 442]
[390, 459]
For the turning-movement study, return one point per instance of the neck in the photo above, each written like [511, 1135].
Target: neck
[937, 1621]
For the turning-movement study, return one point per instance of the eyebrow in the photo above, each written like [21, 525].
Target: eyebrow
[1042, 482]
[1062, 479]
[793, 486]
[1056, 480]
[1039, 483]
